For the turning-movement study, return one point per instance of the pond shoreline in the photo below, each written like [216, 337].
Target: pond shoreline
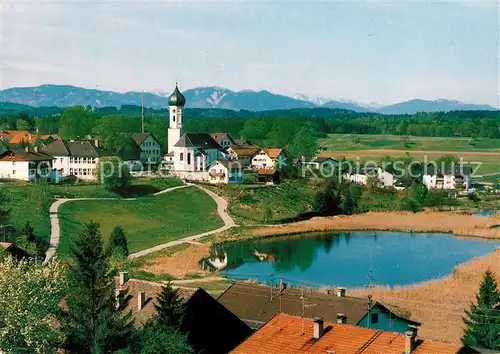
[464, 225]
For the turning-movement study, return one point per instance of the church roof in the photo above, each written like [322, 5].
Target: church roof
[198, 140]
[176, 98]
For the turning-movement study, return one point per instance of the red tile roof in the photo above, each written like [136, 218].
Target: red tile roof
[291, 334]
[273, 153]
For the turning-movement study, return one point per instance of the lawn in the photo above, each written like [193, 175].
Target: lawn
[484, 153]
[286, 199]
[148, 221]
[346, 142]
[31, 202]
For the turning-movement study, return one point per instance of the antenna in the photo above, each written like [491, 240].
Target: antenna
[142, 111]
[281, 292]
[271, 276]
[303, 298]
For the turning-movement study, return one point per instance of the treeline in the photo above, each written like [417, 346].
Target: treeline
[267, 127]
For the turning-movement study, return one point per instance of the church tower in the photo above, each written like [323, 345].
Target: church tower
[176, 102]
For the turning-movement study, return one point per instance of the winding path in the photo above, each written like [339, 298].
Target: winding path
[55, 228]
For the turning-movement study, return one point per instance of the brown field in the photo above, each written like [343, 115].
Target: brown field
[180, 263]
[439, 304]
[458, 224]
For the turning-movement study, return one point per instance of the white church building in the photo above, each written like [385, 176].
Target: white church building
[194, 156]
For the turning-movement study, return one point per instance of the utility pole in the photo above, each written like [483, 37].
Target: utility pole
[303, 298]
[272, 281]
[142, 111]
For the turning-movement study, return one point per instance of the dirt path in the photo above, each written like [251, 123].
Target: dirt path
[55, 229]
[222, 211]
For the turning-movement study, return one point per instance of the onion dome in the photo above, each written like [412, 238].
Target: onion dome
[176, 98]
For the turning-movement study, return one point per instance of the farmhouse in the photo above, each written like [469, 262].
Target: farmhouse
[321, 163]
[76, 158]
[26, 165]
[441, 177]
[362, 173]
[254, 305]
[224, 139]
[224, 171]
[293, 334]
[244, 155]
[269, 158]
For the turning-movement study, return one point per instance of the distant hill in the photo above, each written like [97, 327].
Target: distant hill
[211, 97]
[441, 105]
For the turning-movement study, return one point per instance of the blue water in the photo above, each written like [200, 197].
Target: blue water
[353, 259]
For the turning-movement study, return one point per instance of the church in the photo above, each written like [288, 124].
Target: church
[196, 156]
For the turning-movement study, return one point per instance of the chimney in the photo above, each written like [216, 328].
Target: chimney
[119, 298]
[341, 292]
[341, 318]
[282, 285]
[35, 149]
[27, 149]
[410, 337]
[123, 278]
[96, 143]
[318, 327]
[141, 300]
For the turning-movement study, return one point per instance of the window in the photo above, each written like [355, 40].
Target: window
[14, 172]
[61, 160]
[70, 171]
[182, 156]
[173, 117]
[374, 318]
[189, 158]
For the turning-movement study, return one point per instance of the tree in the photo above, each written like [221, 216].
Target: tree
[76, 122]
[30, 293]
[169, 307]
[92, 323]
[113, 173]
[304, 142]
[22, 124]
[118, 243]
[159, 338]
[409, 204]
[418, 192]
[483, 318]
[328, 201]
[268, 213]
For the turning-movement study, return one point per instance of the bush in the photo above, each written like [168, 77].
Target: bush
[409, 204]
[113, 174]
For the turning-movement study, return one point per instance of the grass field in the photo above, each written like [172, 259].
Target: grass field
[484, 153]
[286, 199]
[147, 222]
[31, 202]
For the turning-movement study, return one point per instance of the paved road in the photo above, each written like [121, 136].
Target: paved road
[55, 229]
[221, 209]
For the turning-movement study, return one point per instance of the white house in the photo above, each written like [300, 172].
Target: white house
[76, 158]
[224, 139]
[26, 165]
[268, 159]
[149, 147]
[190, 155]
[441, 177]
[224, 171]
[243, 155]
[360, 175]
[320, 163]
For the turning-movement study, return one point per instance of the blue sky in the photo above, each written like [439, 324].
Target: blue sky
[381, 51]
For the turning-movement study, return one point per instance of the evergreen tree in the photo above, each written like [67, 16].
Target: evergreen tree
[169, 307]
[118, 243]
[156, 338]
[483, 318]
[92, 323]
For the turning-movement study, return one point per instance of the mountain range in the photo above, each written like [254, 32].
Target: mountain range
[215, 97]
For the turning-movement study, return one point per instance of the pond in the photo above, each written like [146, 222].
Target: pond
[350, 259]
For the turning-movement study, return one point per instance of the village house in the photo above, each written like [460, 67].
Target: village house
[79, 159]
[254, 305]
[200, 312]
[14, 137]
[293, 334]
[441, 177]
[321, 163]
[225, 140]
[26, 165]
[149, 147]
[361, 175]
[227, 172]
[268, 159]
[243, 155]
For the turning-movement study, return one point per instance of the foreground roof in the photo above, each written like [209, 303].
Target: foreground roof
[81, 148]
[198, 140]
[273, 152]
[292, 334]
[247, 151]
[253, 304]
